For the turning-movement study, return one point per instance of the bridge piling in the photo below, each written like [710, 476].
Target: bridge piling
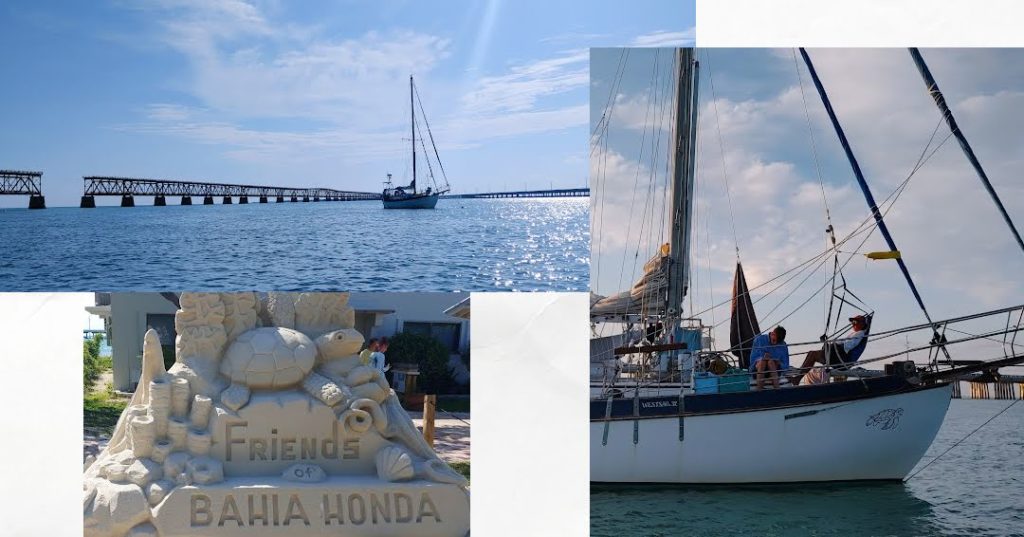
[243, 199]
[159, 201]
[263, 199]
[186, 200]
[227, 200]
[280, 199]
[127, 201]
[37, 202]
[88, 202]
[207, 200]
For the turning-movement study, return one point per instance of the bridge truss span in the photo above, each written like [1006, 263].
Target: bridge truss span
[23, 183]
[554, 193]
[159, 189]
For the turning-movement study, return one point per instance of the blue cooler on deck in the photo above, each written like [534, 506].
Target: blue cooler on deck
[734, 380]
[705, 383]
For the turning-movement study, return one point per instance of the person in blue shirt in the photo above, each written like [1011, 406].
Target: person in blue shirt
[377, 359]
[769, 356]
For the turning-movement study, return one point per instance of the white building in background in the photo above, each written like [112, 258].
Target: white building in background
[445, 316]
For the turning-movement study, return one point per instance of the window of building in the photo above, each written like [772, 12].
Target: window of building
[446, 333]
[163, 323]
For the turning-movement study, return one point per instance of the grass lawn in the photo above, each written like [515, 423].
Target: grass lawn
[102, 411]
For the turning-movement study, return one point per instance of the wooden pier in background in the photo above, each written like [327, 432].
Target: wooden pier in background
[555, 193]
[160, 189]
[22, 183]
[1007, 387]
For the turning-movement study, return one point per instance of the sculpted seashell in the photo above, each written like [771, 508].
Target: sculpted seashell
[354, 422]
[394, 464]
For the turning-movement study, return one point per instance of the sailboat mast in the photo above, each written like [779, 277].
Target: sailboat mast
[683, 139]
[862, 182]
[412, 121]
[940, 101]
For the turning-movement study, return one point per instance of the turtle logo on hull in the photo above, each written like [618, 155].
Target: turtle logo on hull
[886, 419]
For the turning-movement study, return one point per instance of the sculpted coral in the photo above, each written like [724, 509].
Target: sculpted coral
[319, 313]
[278, 309]
[240, 313]
[200, 326]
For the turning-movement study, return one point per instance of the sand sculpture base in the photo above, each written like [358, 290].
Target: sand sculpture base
[337, 506]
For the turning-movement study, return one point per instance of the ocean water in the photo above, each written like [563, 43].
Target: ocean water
[977, 489]
[462, 245]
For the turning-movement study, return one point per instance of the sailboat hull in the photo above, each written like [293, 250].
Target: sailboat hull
[867, 438]
[419, 201]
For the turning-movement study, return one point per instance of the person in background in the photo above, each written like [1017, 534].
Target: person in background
[371, 347]
[377, 359]
[769, 356]
[838, 352]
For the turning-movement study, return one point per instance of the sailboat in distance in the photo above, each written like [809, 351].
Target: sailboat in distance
[409, 197]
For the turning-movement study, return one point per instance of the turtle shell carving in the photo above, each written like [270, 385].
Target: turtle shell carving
[270, 357]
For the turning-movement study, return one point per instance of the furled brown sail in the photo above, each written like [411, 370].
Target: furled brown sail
[743, 324]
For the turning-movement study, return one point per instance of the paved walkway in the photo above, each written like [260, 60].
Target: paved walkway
[451, 438]
[94, 444]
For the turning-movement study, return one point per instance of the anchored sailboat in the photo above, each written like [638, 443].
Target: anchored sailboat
[678, 411]
[408, 197]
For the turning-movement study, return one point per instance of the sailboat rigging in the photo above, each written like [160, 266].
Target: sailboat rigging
[679, 411]
[409, 197]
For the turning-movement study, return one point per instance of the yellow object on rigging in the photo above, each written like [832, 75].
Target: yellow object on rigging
[893, 254]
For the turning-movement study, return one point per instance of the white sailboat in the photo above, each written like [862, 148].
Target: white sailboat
[408, 197]
[663, 416]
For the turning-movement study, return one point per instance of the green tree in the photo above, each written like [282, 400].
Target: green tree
[169, 358]
[429, 354]
[91, 365]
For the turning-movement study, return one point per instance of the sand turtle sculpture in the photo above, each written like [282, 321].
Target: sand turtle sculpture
[269, 358]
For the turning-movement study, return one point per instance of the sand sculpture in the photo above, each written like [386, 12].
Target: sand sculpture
[268, 424]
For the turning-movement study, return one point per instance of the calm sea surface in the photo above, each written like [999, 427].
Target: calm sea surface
[463, 245]
[977, 489]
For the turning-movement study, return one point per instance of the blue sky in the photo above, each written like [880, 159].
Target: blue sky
[307, 94]
[958, 249]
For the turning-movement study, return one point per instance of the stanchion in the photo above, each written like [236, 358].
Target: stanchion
[429, 402]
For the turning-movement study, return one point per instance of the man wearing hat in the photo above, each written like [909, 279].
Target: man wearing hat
[838, 352]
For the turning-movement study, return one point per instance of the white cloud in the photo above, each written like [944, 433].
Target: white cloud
[268, 90]
[168, 112]
[958, 249]
[665, 39]
[524, 84]
[351, 80]
[624, 203]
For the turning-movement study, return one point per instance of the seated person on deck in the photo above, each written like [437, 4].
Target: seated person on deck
[769, 355]
[841, 351]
